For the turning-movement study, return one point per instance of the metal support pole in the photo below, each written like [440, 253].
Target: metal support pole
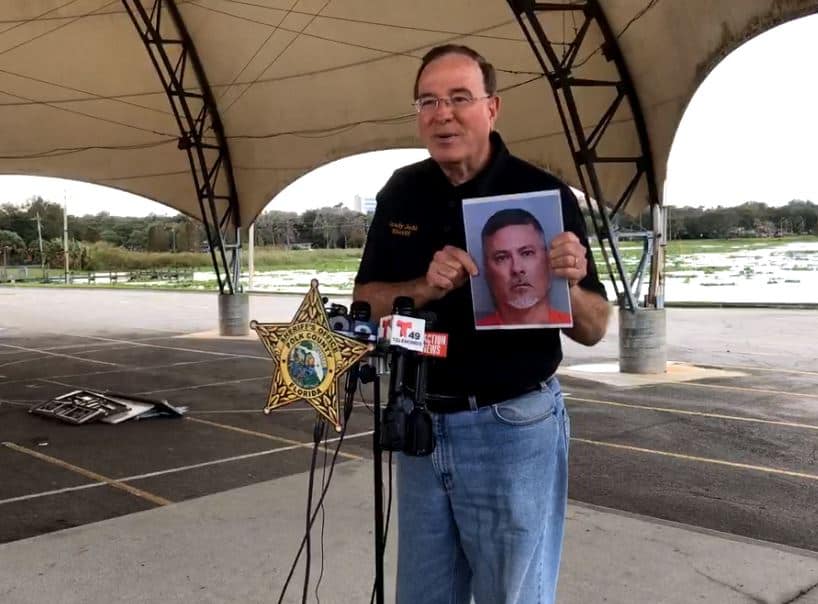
[659, 217]
[642, 341]
[201, 134]
[40, 240]
[377, 459]
[65, 235]
[251, 254]
[237, 263]
[586, 134]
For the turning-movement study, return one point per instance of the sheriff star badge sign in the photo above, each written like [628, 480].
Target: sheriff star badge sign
[308, 358]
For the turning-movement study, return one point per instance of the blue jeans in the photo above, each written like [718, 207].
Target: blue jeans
[483, 515]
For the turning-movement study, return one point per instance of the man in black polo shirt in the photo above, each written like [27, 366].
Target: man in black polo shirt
[484, 514]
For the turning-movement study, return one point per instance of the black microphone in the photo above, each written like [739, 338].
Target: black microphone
[360, 328]
[420, 439]
[405, 306]
[359, 314]
[398, 404]
[338, 317]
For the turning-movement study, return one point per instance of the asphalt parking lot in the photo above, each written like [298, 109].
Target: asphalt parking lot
[735, 454]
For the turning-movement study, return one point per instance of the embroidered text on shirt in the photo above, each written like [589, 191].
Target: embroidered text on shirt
[403, 230]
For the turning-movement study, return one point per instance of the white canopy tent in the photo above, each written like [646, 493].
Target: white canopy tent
[299, 83]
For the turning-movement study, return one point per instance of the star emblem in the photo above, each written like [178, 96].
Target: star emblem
[308, 358]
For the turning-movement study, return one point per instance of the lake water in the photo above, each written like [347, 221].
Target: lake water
[784, 273]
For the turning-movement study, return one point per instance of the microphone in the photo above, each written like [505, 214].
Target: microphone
[403, 334]
[338, 317]
[359, 314]
[420, 438]
[354, 322]
[401, 329]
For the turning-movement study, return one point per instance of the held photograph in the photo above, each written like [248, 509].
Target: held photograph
[509, 236]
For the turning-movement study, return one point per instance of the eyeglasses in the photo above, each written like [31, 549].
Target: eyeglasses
[428, 104]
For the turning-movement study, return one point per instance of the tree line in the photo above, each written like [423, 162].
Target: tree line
[332, 227]
[24, 229]
[329, 227]
[38, 223]
[751, 219]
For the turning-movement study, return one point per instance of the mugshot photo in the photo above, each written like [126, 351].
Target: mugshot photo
[509, 236]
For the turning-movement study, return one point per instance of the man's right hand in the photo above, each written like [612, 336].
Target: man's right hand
[449, 269]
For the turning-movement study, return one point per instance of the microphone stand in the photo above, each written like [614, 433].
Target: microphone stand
[378, 486]
[366, 373]
[360, 311]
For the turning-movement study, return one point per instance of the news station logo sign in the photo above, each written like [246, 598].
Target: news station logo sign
[406, 332]
[436, 344]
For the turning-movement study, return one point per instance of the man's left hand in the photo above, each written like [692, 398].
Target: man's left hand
[567, 256]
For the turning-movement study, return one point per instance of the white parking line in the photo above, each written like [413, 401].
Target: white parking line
[735, 418]
[21, 361]
[90, 485]
[17, 403]
[121, 369]
[214, 462]
[720, 462]
[745, 389]
[208, 385]
[260, 410]
[768, 369]
[57, 354]
[102, 479]
[220, 354]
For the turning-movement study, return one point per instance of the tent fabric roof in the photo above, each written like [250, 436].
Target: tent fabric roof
[299, 83]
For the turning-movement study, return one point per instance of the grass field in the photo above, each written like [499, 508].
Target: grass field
[103, 258]
[269, 259]
[106, 258]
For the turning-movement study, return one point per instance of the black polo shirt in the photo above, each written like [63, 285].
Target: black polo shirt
[419, 211]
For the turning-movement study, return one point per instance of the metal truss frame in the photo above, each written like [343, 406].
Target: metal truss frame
[201, 133]
[558, 66]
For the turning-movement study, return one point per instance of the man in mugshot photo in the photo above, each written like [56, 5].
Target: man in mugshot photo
[517, 271]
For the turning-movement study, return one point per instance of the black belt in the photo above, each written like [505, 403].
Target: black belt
[441, 403]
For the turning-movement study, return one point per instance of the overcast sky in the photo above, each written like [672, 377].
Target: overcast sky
[749, 134]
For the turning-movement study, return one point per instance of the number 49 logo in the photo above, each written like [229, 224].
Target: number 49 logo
[403, 330]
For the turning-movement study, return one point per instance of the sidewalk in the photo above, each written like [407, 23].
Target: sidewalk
[236, 547]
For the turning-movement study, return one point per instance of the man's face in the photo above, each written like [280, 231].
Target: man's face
[516, 266]
[456, 136]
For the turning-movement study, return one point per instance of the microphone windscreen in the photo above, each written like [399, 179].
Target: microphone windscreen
[360, 310]
[403, 305]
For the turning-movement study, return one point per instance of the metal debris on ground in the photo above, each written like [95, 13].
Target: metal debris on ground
[84, 406]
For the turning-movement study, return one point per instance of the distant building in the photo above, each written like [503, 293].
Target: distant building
[365, 205]
[368, 205]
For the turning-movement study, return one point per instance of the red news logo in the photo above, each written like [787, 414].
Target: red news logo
[436, 344]
[403, 326]
[402, 331]
[407, 329]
